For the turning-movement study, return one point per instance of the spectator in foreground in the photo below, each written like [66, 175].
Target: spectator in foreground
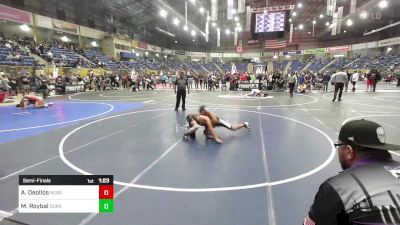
[367, 191]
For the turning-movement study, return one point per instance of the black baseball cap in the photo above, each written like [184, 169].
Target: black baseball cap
[365, 133]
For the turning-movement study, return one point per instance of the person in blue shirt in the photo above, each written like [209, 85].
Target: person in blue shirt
[325, 81]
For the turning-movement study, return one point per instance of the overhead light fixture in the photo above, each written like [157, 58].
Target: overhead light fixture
[349, 22]
[213, 24]
[227, 32]
[345, 31]
[64, 39]
[236, 18]
[201, 10]
[299, 5]
[314, 21]
[327, 24]
[25, 27]
[185, 28]
[294, 13]
[163, 13]
[193, 33]
[363, 15]
[321, 16]
[176, 22]
[93, 44]
[301, 26]
[383, 4]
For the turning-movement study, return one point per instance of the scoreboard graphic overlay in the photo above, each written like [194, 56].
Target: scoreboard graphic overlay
[66, 194]
[273, 21]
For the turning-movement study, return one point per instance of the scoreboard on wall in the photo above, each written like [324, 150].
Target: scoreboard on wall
[270, 21]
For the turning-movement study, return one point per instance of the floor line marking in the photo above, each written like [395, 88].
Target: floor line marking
[270, 202]
[77, 148]
[214, 189]
[134, 180]
[149, 101]
[69, 121]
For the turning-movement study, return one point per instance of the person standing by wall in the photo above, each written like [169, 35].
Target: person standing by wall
[339, 79]
[325, 81]
[292, 78]
[354, 79]
[180, 91]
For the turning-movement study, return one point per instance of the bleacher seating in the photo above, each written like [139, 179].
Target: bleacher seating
[318, 64]
[280, 65]
[65, 56]
[96, 56]
[24, 60]
[382, 61]
[297, 65]
[241, 67]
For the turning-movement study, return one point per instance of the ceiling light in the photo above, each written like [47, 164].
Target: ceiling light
[299, 5]
[294, 13]
[349, 22]
[383, 4]
[185, 28]
[363, 15]
[314, 21]
[213, 24]
[176, 21]
[327, 24]
[301, 26]
[345, 31]
[193, 33]
[321, 16]
[64, 39]
[227, 31]
[236, 18]
[25, 27]
[201, 10]
[163, 13]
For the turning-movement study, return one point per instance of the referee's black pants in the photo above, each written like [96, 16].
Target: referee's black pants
[338, 87]
[179, 95]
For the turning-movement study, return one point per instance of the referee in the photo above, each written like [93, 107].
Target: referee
[180, 90]
[339, 79]
[368, 190]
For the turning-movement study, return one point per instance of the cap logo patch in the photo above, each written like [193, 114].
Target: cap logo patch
[381, 135]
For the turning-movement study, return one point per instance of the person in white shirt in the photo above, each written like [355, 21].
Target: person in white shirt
[354, 79]
[339, 79]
